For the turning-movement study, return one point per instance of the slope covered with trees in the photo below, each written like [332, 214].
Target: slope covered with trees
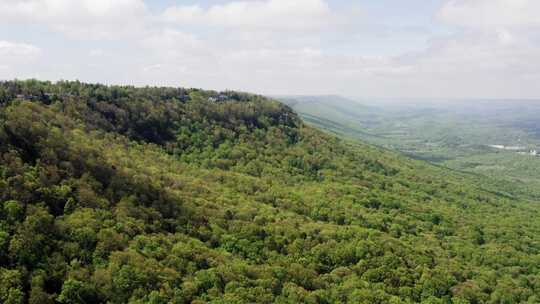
[457, 134]
[163, 195]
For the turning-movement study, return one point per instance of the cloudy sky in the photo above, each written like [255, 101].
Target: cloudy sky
[363, 48]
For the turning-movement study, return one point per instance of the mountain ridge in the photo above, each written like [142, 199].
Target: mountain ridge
[157, 195]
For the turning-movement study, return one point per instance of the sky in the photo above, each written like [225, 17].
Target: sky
[362, 48]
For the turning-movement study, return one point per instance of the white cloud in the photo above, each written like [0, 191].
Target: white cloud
[184, 14]
[173, 40]
[69, 9]
[17, 59]
[82, 19]
[96, 53]
[170, 53]
[505, 36]
[259, 14]
[174, 45]
[14, 49]
[491, 13]
[494, 51]
[279, 46]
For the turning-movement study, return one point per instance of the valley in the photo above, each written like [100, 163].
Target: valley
[494, 138]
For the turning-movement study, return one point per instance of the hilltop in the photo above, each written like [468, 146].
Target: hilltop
[167, 195]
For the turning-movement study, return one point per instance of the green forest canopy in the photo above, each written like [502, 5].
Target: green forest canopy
[167, 195]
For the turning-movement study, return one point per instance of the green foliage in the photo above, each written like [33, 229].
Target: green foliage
[11, 286]
[161, 195]
[76, 292]
[456, 134]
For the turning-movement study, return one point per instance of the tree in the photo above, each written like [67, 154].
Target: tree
[11, 287]
[76, 292]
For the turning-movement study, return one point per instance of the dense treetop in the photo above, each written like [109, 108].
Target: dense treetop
[165, 195]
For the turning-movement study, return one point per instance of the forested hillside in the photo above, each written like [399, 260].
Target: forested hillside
[166, 195]
[458, 134]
